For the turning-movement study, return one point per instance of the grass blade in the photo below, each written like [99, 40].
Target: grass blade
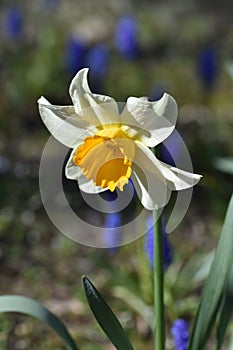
[225, 164]
[230, 345]
[136, 304]
[225, 312]
[215, 285]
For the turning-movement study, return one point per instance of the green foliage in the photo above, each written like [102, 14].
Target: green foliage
[4, 330]
[105, 317]
[225, 311]
[225, 164]
[215, 286]
[136, 304]
[27, 306]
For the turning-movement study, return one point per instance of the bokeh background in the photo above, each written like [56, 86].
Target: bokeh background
[133, 48]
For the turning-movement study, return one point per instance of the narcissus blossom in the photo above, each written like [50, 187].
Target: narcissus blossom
[110, 147]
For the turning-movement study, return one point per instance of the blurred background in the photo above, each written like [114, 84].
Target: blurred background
[133, 48]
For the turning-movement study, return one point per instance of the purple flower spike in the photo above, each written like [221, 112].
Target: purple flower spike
[126, 37]
[180, 333]
[208, 67]
[97, 61]
[171, 149]
[149, 244]
[112, 231]
[75, 55]
[13, 22]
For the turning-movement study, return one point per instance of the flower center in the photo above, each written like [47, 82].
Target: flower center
[106, 158]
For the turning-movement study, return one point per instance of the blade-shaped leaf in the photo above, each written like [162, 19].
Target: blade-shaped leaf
[105, 317]
[28, 306]
[215, 285]
[230, 345]
[225, 312]
[225, 164]
[136, 304]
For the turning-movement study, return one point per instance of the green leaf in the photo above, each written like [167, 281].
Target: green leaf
[225, 312]
[215, 285]
[230, 345]
[105, 317]
[224, 164]
[136, 304]
[30, 307]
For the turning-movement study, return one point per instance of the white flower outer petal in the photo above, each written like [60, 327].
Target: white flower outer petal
[155, 120]
[64, 124]
[176, 179]
[152, 193]
[93, 108]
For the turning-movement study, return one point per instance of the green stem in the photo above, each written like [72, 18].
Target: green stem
[158, 285]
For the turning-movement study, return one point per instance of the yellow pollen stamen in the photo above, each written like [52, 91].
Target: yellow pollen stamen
[106, 158]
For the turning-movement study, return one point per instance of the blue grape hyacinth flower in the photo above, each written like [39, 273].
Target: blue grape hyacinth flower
[112, 231]
[180, 333]
[97, 60]
[171, 149]
[126, 37]
[149, 244]
[13, 22]
[208, 66]
[75, 55]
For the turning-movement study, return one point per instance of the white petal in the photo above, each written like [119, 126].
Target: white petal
[94, 108]
[152, 193]
[87, 186]
[166, 107]
[74, 172]
[63, 123]
[71, 170]
[104, 109]
[176, 179]
[150, 185]
[155, 119]
[78, 89]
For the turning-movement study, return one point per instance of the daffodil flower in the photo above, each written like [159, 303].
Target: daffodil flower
[110, 147]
